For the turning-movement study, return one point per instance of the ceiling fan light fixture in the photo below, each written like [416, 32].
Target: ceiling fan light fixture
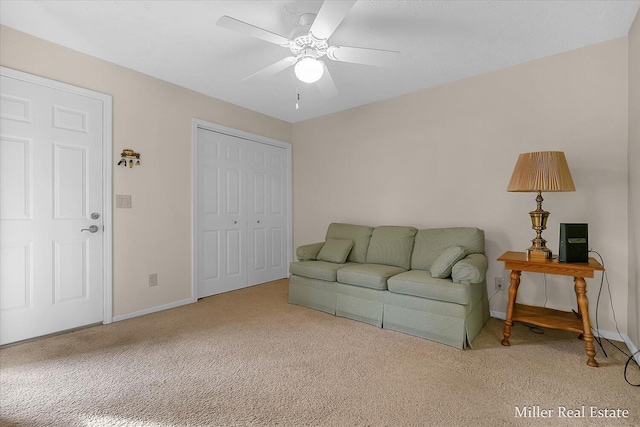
[309, 70]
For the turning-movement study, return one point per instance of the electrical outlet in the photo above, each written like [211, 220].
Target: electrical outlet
[499, 283]
[153, 279]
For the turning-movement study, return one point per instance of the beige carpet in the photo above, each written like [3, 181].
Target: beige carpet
[249, 358]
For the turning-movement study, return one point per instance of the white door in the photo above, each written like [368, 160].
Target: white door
[241, 212]
[267, 207]
[222, 214]
[51, 183]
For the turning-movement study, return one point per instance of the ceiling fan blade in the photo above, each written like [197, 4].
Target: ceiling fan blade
[329, 17]
[273, 69]
[359, 55]
[325, 84]
[251, 30]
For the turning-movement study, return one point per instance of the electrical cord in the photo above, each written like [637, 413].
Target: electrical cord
[596, 331]
[626, 366]
[532, 328]
[494, 294]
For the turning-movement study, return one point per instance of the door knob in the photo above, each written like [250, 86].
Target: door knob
[92, 229]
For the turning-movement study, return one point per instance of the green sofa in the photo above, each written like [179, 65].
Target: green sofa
[429, 283]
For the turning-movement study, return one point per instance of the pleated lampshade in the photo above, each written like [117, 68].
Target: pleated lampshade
[541, 171]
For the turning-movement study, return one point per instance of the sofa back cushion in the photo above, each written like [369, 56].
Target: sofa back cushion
[359, 234]
[391, 245]
[430, 243]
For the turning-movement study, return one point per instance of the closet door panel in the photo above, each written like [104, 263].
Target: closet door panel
[267, 214]
[222, 220]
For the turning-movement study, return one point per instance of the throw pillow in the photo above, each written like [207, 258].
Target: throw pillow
[335, 250]
[443, 265]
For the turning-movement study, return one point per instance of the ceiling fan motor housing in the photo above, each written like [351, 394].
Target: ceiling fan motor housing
[303, 44]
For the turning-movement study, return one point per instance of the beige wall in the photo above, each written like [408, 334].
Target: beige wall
[634, 182]
[439, 157]
[152, 117]
[444, 157]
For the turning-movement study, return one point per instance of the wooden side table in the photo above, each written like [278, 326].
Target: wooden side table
[518, 262]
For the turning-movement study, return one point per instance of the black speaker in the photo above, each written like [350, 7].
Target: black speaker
[574, 243]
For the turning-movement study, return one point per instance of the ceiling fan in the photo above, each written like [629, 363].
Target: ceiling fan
[309, 42]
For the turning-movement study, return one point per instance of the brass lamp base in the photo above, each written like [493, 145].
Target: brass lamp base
[539, 254]
[538, 249]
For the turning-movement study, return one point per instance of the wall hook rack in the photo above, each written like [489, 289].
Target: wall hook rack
[129, 157]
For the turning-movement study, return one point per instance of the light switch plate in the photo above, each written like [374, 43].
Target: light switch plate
[123, 201]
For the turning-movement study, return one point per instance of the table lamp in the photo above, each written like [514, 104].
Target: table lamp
[538, 172]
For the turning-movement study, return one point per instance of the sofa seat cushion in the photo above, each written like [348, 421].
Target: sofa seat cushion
[372, 276]
[320, 270]
[420, 283]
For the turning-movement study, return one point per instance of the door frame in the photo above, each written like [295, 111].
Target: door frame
[202, 124]
[107, 156]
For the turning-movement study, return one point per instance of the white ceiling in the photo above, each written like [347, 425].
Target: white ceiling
[440, 41]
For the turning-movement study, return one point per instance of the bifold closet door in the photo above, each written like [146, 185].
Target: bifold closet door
[241, 213]
[222, 220]
[267, 219]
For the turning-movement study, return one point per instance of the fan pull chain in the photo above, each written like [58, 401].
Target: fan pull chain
[298, 100]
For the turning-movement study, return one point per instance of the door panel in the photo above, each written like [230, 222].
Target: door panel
[259, 249]
[233, 191]
[69, 182]
[15, 158]
[17, 291]
[70, 267]
[234, 252]
[51, 144]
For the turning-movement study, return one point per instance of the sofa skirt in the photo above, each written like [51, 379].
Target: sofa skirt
[313, 293]
[362, 304]
[444, 322]
[353, 302]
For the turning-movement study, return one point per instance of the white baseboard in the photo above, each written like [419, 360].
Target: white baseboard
[154, 309]
[614, 336]
[633, 349]
[498, 314]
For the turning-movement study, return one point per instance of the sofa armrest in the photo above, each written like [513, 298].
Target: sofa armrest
[308, 252]
[472, 269]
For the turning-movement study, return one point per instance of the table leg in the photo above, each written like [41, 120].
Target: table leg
[513, 293]
[583, 309]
